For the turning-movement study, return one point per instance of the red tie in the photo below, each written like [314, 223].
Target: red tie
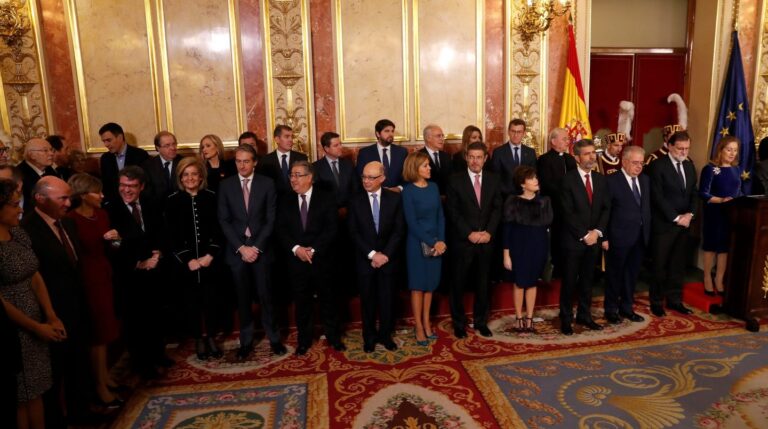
[589, 188]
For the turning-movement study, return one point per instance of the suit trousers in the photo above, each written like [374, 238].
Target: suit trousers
[622, 267]
[376, 289]
[555, 249]
[252, 281]
[141, 295]
[668, 250]
[306, 280]
[578, 272]
[471, 265]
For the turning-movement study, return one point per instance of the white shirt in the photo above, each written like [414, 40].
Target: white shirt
[331, 160]
[280, 157]
[472, 175]
[370, 203]
[250, 181]
[583, 173]
[308, 196]
[629, 181]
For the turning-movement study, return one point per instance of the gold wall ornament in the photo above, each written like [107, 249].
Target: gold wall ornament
[535, 16]
[760, 118]
[765, 278]
[13, 26]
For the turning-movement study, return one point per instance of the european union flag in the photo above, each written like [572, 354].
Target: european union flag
[734, 118]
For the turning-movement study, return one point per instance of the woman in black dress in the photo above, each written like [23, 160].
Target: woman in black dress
[211, 152]
[195, 240]
[526, 219]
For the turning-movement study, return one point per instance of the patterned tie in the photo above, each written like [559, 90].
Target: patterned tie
[385, 161]
[284, 166]
[246, 199]
[335, 170]
[65, 241]
[636, 190]
[516, 157]
[136, 211]
[588, 184]
[477, 188]
[303, 211]
[375, 207]
[681, 174]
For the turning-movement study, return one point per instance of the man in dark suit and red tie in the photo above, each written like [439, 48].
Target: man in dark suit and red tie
[585, 199]
[473, 209]
[391, 156]
[120, 155]
[628, 234]
[377, 227]
[277, 164]
[508, 157]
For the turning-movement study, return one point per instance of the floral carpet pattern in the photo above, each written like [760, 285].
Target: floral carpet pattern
[693, 371]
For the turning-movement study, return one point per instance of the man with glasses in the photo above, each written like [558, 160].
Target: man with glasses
[511, 155]
[161, 169]
[439, 161]
[377, 227]
[38, 162]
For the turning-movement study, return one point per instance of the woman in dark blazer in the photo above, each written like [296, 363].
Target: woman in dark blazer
[195, 239]
[211, 153]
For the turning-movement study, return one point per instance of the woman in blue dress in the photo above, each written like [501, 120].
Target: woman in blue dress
[426, 234]
[720, 182]
[526, 219]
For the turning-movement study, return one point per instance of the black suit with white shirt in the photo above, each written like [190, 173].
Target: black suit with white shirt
[161, 178]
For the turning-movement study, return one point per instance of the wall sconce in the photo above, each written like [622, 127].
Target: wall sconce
[535, 17]
[13, 26]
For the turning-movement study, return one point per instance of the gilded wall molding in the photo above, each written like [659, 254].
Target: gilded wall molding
[289, 70]
[23, 100]
[760, 112]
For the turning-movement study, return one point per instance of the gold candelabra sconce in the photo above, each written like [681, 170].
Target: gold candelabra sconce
[535, 16]
[13, 26]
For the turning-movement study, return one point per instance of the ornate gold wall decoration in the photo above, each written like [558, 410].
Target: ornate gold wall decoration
[760, 118]
[23, 105]
[288, 70]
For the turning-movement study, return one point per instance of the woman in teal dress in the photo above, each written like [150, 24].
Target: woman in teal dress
[426, 229]
[720, 182]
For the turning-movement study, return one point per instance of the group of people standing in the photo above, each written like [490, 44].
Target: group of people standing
[97, 259]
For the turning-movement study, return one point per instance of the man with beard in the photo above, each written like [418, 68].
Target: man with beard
[391, 156]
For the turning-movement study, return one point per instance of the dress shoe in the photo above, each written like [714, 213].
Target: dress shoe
[164, 361]
[302, 349]
[244, 351]
[459, 333]
[566, 328]
[658, 311]
[633, 317]
[369, 347]
[278, 349]
[213, 350]
[484, 331]
[337, 345]
[589, 324]
[680, 308]
[390, 345]
[200, 349]
[613, 318]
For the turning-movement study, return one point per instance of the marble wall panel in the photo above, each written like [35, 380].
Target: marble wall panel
[114, 69]
[252, 46]
[202, 85]
[448, 81]
[494, 72]
[372, 67]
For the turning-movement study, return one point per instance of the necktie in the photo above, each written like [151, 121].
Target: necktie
[375, 207]
[303, 211]
[284, 166]
[50, 171]
[385, 161]
[167, 172]
[588, 184]
[246, 199]
[636, 190]
[437, 161]
[65, 241]
[477, 188]
[136, 211]
[516, 156]
[335, 170]
[681, 174]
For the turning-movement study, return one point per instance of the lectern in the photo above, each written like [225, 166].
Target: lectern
[746, 277]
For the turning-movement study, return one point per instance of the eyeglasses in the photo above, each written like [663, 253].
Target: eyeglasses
[298, 175]
[4, 149]
[371, 177]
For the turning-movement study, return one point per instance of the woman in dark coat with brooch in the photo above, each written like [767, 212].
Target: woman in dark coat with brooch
[195, 240]
[526, 219]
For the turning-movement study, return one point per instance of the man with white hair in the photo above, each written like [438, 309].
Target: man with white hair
[38, 162]
[439, 161]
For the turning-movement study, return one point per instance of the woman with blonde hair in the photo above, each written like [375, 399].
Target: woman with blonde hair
[211, 152]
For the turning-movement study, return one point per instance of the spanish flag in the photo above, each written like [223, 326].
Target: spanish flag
[573, 114]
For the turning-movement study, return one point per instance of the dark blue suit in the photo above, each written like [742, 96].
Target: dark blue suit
[629, 231]
[396, 156]
[349, 181]
[504, 166]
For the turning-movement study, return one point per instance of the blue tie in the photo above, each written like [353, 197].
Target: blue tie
[284, 166]
[636, 190]
[516, 156]
[375, 206]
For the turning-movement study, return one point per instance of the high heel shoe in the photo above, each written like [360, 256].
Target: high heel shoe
[422, 343]
[432, 336]
[213, 350]
[529, 325]
[519, 324]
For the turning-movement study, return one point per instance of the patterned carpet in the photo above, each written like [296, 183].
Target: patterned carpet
[679, 371]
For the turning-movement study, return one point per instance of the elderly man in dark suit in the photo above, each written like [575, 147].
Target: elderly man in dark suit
[511, 155]
[377, 227]
[628, 235]
[161, 169]
[473, 209]
[37, 163]
[391, 156]
[439, 161]
[247, 206]
[306, 229]
[673, 205]
[120, 155]
[277, 164]
[584, 196]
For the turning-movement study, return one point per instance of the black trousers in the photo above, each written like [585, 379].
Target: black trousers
[470, 266]
[669, 258]
[376, 289]
[622, 267]
[142, 295]
[251, 282]
[306, 281]
[578, 272]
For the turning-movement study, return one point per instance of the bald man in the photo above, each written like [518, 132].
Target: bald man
[38, 162]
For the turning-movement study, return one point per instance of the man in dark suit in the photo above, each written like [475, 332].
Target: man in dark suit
[55, 243]
[550, 169]
[60, 156]
[161, 169]
[673, 205]
[335, 173]
[306, 229]
[38, 162]
[119, 156]
[584, 197]
[392, 157]
[246, 212]
[473, 209]
[628, 235]
[439, 161]
[277, 164]
[377, 227]
[511, 155]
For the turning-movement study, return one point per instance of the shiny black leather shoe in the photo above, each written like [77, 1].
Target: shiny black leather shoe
[589, 324]
[278, 348]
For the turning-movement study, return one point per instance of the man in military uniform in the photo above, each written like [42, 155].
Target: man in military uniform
[609, 160]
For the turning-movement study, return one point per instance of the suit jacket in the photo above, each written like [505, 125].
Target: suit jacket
[581, 217]
[362, 230]
[396, 155]
[260, 217]
[29, 179]
[109, 169]
[628, 221]
[668, 198]
[136, 244]
[503, 165]
[443, 174]
[320, 234]
[62, 277]
[270, 166]
[550, 168]
[158, 188]
[349, 181]
[464, 214]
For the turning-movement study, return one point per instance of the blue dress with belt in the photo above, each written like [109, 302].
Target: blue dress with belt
[426, 223]
[717, 182]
